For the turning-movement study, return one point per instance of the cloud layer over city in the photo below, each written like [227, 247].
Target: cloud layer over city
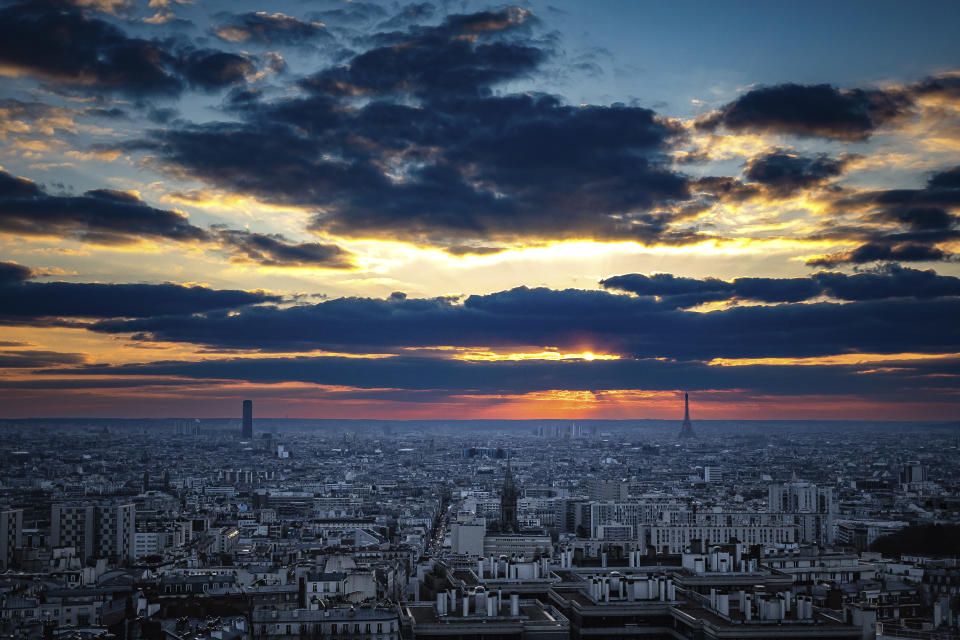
[354, 209]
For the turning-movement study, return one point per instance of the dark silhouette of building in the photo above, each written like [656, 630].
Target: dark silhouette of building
[686, 429]
[508, 503]
[247, 432]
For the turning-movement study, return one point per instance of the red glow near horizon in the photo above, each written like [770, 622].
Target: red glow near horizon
[295, 400]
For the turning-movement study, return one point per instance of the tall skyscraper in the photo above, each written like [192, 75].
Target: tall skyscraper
[686, 430]
[247, 432]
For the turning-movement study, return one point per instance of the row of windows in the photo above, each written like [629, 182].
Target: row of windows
[334, 628]
[185, 588]
[716, 534]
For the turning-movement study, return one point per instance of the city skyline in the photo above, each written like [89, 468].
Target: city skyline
[400, 531]
[475, 211]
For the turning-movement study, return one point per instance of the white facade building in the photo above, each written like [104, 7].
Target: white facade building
[467, 537]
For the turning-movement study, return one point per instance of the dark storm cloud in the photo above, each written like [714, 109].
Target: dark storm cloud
[21, 299]
[811, 110]
[12, 186]
[60, 43]
[265, 28]
[67, 384]
[665, 284]
[949, 179]
[100, 215]
[942, 190]
[688, 292]
[924, 219]
[824, 110]
[485, 22]
[882, 252]
[882, 246]
[430, 155]
[785, 172]
[889, 282]
[456, 67]
[32, 359]
[573, 320]
[209, 69]
[13, 272]
[276, 251]
[457, 377]
[466, 55]
[893, 281]
[488, 169]
[920, 218]
[945, 86]
[104, 216]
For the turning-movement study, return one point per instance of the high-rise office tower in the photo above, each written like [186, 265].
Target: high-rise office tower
[686, 430]
[247, 432]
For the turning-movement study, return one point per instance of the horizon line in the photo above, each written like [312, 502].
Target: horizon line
[704, 420]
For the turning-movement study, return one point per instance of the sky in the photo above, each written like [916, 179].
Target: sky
[447, 210]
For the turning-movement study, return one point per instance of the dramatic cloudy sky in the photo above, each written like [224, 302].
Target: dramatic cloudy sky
[461, 210]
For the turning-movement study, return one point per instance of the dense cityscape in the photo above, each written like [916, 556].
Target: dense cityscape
[278, 529]
[424, 319]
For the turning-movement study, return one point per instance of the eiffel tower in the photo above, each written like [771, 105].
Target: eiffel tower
[686, 429]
